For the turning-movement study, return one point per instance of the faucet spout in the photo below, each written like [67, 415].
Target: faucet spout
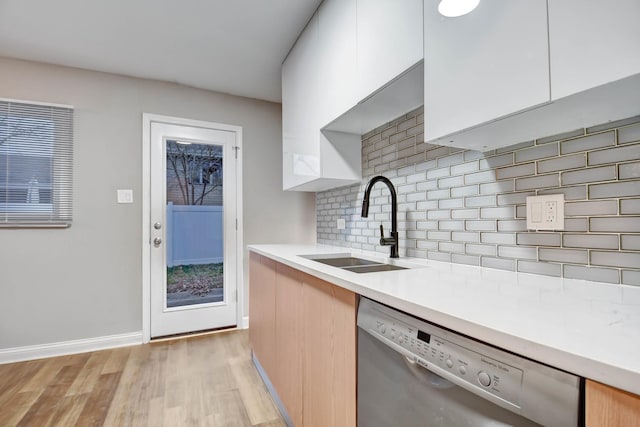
[384, 241]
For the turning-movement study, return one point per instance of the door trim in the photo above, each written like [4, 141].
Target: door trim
[147, 119]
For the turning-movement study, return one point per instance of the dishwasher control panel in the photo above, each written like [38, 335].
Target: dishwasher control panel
[456, 358]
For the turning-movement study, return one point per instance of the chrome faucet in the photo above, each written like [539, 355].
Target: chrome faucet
[384, 241]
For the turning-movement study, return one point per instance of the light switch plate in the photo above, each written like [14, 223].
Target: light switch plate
[125, 196]
[545, 212]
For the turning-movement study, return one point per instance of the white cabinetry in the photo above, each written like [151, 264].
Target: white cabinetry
[510, 72]
[300, 135]
[592, 42]
[336, 58]
[313, 161]
[487, 64]
[390, 41]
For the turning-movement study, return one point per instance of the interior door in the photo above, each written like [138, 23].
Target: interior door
[193, 229]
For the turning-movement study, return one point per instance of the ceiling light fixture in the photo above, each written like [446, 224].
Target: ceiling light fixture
[454, 8]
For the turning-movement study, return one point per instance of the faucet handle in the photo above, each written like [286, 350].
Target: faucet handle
[381, 232]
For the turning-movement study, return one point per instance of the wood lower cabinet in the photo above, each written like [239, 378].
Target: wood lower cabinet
[609, 407]
[329, 354]
[287, 375]
[310, 327]
[262, 316]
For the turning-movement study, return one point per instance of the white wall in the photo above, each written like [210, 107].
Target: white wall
[85, 281]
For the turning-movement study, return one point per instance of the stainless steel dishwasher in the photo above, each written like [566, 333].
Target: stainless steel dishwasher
[413, 373]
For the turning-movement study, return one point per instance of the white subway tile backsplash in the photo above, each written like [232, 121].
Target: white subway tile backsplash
[469, 190]
[608, 275]
[539, 239]
[497, 187]
[465, 259]
[506, 212]
[486, 250]
[629, 170]
[540, 181]
[465, 236]
[544, 268]
[616, 259]
[486, 225]
[629, 134]
[479, 177]
[493, 162]
[630, 206]
[498, 238]
[469, 207]
[621, 154]
[595, 241]
[538, 152]
[480, 201]
[599, 207]
[519, 252]
[570, 193]
[576, 224]
[572, 161]
[631, 277]
[630, 242]
[589, 142]
[499, 263]
[564, 255]
[464, 168]
[464, 213]
[617, 224]
[516, 171]
[599, 174]
[619, 189]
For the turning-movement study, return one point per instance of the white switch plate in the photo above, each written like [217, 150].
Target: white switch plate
[125, 196]
[545, 212]
[341, 224]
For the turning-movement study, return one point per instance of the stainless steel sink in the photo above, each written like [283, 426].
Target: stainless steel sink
[373, 268]
[350, 263]
[345, 261]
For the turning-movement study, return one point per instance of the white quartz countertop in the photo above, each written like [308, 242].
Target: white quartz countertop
[591, 329]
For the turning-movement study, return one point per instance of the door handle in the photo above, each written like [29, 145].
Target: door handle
[157, 242]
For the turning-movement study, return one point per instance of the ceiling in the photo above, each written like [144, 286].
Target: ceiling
[230, 46]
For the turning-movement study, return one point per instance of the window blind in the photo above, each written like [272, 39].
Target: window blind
[36, 164]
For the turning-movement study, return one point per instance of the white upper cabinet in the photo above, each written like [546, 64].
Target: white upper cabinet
[389, 41]
[484, 65]
[592, 42]
[311, 94]
[300, 131]
[336, 58]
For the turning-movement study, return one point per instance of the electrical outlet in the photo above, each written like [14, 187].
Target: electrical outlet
[545, 212]
[341, 224]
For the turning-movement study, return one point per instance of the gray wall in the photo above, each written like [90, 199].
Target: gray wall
[469, 207]
[85, 281]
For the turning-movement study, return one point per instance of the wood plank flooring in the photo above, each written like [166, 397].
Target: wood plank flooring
[199, 381]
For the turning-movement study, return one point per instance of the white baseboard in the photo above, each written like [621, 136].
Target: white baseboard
[245, 322]
[19, 354]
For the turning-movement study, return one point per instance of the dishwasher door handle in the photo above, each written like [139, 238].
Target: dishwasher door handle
[426, 376]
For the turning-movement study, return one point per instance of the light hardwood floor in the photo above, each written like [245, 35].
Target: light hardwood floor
[198, 381]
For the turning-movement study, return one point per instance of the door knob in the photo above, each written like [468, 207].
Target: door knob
[157, 241]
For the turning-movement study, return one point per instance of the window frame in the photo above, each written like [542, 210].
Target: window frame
[59, 150]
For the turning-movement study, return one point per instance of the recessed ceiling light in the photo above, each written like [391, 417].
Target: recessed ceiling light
[454, 8]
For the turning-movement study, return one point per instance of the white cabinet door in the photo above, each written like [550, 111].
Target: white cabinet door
[300, 130]
[592, 42]
[389, 41]
[336, 58]
[484, 65]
